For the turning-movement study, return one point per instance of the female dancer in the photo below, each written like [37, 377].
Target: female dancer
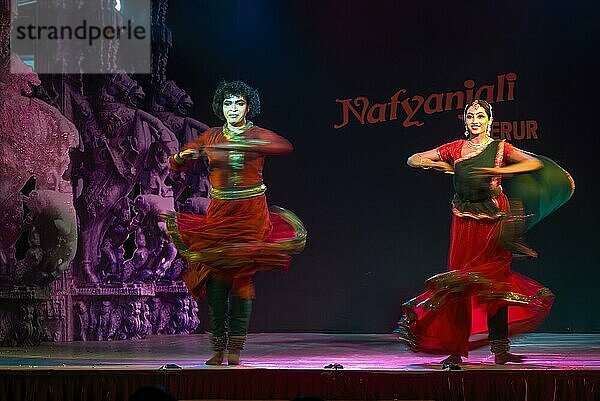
[239, 235]
[480, 297]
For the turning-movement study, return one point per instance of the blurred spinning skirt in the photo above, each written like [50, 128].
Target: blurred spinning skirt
[236, 239]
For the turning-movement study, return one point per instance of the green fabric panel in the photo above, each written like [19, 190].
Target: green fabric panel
[541, 192]
[473, 194]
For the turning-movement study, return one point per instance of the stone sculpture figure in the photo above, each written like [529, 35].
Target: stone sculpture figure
[53, 217]
[179, 320]
[176, 271]
[112, 260]
[147, 222]
[27, 328]
[106, 321]
[33, 258]
[153, 179]
[146, 327]
[132, 321]
[36, 139]
[156, 315]
[81, 321]
[127, 133]
[138, 260]
[193, 321]
[167, 251]
[171, 105]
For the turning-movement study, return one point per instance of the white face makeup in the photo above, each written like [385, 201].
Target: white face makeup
[235, 109]
[477, 120]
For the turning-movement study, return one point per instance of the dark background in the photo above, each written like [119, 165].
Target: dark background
[377, 228]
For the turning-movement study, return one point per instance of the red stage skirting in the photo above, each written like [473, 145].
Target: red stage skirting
[270, 384]
[282, 366]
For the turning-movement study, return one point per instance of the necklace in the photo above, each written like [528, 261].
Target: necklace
[236, 157]
[481, 144]
[236, 135]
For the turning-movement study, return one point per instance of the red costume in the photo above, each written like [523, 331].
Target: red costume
[239, 234]
[452, 316]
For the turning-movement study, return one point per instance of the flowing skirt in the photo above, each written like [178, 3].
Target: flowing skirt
[451, 316]
[236, 239]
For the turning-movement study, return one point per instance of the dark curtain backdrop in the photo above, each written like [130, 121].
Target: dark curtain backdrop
[377, 228]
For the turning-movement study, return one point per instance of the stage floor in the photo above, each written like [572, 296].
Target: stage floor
[284, 361]
[298, 351]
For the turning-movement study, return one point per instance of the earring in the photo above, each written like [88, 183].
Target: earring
[466, 132]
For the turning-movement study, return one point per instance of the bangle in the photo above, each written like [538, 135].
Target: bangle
[177, 157]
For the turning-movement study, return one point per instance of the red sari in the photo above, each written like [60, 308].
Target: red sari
[451, 316]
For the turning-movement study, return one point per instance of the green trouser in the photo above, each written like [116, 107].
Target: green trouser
[498, 324]
[226, 310]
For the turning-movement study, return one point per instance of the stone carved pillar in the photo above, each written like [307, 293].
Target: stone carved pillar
[126, 279]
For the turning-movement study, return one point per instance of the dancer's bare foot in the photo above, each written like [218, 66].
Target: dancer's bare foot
[233, 358]
[217, 359]
[502, 358]
[452, 362]
[501, 350]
